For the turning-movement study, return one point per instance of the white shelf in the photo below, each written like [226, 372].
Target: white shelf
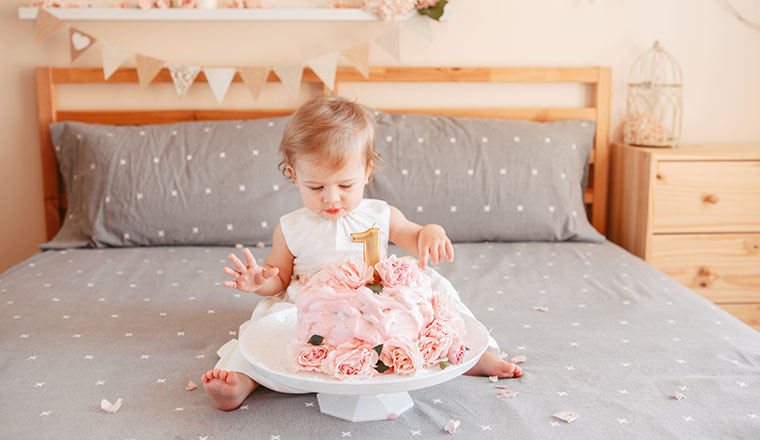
[220, 14]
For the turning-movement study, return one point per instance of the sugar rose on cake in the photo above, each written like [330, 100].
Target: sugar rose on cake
[356, 321]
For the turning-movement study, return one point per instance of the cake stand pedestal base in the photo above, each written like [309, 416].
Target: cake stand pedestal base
[364, 408]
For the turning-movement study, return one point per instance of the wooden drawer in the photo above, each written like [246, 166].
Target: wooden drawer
[748, 313]
[725, 268]
[707, 196]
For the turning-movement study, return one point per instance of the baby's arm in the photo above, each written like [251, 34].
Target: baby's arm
[421, 241]
[269, 279]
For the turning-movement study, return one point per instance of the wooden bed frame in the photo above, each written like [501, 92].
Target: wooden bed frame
[599, 78]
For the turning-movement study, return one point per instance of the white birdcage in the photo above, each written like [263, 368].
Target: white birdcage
[655, 104]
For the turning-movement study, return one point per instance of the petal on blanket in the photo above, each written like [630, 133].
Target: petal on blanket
[567, 416]
[451, 426]
[109, 407]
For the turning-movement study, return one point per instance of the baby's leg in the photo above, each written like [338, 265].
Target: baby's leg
[228, 389]
[492, 365]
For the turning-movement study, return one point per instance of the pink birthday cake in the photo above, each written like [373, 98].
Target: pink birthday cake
[351, 325]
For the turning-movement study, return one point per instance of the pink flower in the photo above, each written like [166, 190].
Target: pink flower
[352, 273]
[347, 362]
[402, 356]
[389, 10]
[305, 356]
[456, 352]
[422, 4]
[397, 271]
[435, 342]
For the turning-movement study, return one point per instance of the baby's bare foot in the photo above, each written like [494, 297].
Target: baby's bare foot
[227, 389]
[492, 365]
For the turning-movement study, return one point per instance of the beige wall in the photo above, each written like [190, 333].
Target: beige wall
[719, 56]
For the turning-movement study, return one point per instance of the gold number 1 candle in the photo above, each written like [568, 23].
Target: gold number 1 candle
[371, 240]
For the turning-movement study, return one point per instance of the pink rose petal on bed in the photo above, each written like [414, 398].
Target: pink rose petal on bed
[109, 407]
[541, 308]
[260, 244]
[191, 385]
[502, 387]
[239, 246]
[509, 394]
[677, 396]
[520, 358]
[452, 426]
[567, 416]
[392, 416]
[493, 378]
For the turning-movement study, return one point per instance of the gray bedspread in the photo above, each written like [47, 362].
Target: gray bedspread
[604, 334]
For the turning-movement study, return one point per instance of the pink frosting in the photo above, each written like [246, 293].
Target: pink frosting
[416, 325]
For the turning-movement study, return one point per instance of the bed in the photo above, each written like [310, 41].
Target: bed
[605, 335]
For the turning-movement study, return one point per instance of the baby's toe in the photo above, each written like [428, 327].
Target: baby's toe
[207, 376]
[518, 371]
[509, 369]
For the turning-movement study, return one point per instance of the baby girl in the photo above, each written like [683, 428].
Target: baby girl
[328, 152]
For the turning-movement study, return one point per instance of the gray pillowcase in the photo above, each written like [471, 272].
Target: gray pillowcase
[217, 182]
[190, 183]
[487, 179]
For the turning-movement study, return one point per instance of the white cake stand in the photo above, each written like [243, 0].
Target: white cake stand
[263, 344]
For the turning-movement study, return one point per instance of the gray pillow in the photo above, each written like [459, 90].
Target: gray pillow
[191, 183]
[487, 179]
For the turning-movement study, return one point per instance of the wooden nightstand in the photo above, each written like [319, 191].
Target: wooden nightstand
[694, 213]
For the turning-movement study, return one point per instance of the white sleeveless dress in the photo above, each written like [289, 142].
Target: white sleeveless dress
[314, 242]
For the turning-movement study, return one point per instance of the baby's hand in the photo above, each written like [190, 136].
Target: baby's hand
[433, 242]
[248, 278]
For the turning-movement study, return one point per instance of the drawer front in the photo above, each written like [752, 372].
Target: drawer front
[725, 268]
[705, 196]
[747, 313]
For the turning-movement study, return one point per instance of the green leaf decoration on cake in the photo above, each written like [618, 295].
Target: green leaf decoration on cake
[381, 367]
[375, 287]
[434, 12]
[316, 340]
[443, 365]
[378, 349]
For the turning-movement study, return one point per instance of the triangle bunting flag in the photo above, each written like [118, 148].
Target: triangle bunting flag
[324, 67]
[358, 56]
[147, 68]
[219, 79]
[420, 25]
[113, 57]
[391, 43]
[47, 24]
[254, 78]
[290, 76]
[79, 42]
[183, 77]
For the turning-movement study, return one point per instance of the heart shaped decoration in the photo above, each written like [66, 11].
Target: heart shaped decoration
[80, 41]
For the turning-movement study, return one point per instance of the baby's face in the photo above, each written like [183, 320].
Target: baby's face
[331, 193]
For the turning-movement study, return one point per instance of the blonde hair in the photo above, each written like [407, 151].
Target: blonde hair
[328, 129]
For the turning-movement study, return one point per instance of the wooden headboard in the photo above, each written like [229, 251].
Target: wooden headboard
[598, 78]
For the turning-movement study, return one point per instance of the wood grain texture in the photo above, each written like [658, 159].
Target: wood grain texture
[707, 196]
[724, 268]
[630, 214]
